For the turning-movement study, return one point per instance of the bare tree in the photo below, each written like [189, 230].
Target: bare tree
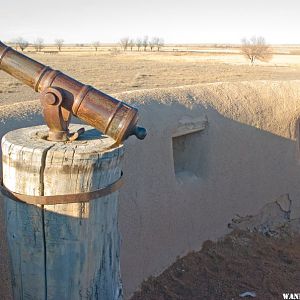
[96, 45]
[152, 43]
[38, 44]
[131, 44]
[59, 43]
[23, 44]
[256, 49]
[145, 42]
[138, 43]
[124, 43]
[159, 43]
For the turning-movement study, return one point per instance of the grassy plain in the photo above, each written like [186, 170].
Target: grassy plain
[113, 70]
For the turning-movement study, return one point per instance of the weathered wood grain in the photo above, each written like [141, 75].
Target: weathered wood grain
[63, 251]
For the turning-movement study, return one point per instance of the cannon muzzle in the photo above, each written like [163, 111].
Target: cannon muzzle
[63, 96]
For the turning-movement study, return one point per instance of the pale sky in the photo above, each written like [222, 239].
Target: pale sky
[186, 21]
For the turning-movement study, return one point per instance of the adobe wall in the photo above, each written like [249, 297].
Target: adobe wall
[212, 151]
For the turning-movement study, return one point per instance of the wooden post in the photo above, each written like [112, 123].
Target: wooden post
[62, 251]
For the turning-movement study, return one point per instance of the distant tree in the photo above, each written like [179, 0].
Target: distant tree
[96, 45]
[159, 43]
[256, 49]
[152, 43]
[124, 43]
[131, 44]
[59, 43]
[138, 43]
[38, 44]
[145, 42]
[21, 43]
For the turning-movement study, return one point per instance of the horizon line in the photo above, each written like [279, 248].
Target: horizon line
[82, 44]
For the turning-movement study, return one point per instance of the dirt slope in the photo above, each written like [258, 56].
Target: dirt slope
[260, 256]
[241, 262]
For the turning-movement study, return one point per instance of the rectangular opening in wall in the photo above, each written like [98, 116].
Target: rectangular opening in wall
[188, 155]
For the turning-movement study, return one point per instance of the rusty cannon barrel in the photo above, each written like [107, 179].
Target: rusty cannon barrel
[63, 96]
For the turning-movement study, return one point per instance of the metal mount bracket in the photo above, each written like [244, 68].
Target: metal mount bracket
[56, 116]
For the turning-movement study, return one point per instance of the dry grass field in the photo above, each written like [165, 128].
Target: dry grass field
[113, 70]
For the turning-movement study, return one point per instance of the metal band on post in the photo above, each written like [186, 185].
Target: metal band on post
[63, 199]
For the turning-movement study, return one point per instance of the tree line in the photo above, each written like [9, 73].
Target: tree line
[142, 43]
[155, 43]
[38, 44]
[253, 49]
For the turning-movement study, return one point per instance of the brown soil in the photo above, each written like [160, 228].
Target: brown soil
[126, 71]
[241, 262]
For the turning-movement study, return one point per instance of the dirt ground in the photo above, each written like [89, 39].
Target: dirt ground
[260, 256]
[241, 262]
[117, 71]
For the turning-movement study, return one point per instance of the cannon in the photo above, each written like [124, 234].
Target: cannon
[62, 96]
